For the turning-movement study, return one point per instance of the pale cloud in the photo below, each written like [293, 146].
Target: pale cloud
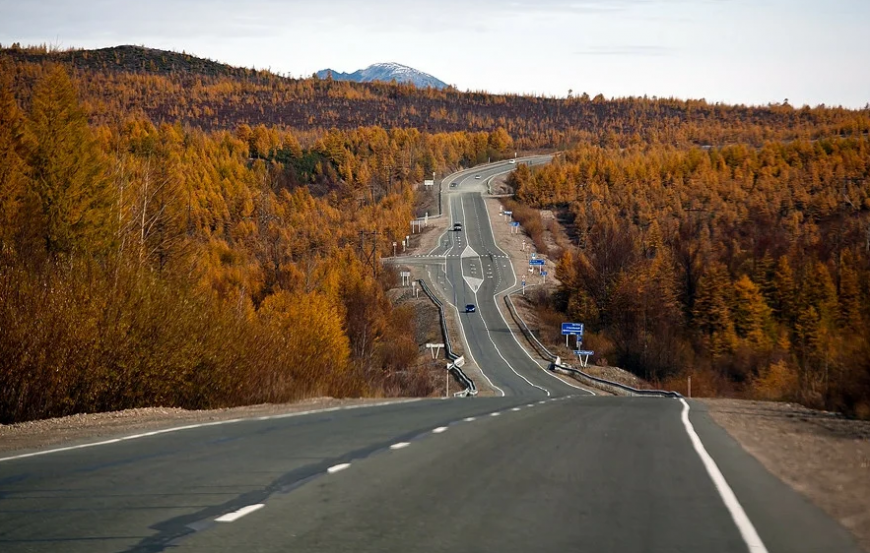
[742, 51]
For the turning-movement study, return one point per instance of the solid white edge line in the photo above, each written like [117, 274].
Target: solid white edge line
[337, 468]
[400, 445]
[203, 425]
[236, 515]
[744, 525]
[439, 430]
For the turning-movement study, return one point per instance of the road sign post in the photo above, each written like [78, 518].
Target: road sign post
[583, 356]
[572, 329]
[434, 348]
[447, 380]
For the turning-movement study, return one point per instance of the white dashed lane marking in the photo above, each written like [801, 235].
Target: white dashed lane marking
[236, 515]
[400, 445]
[336, 468]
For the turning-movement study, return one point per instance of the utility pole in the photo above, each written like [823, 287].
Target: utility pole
[370, 257]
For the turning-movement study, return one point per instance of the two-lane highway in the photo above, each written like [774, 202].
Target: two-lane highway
[476, 271]
[555, 474]
[528, 472]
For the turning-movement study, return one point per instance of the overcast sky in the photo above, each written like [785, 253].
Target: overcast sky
[736, 51]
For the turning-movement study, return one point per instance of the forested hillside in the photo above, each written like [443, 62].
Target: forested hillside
[157, 264]
[167, 87]
[177, 232]
[747, 268]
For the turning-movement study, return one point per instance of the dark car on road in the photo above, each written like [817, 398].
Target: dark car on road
[470, 308]
[457, 227]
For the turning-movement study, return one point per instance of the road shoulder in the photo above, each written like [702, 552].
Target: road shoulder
[821, 459]
[88, 427]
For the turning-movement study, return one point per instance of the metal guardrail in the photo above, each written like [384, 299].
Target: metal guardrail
[458, 375]
[588, 379]
[527, 332]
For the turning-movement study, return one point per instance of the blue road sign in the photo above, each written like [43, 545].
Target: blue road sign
[583, 352]
[572, 329]
[543, 273]
[536, 262]
[508, 212]
[515, 223]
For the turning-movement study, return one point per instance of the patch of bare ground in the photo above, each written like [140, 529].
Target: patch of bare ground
[423, 242]
[94, 426]
[512, 245]
[499, 186]
[426, 200]
[822, 455]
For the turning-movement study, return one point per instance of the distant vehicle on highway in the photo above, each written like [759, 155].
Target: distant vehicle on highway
[512, 161]
[470, 308]
[457, 227]
[453, 184]
[477, 176]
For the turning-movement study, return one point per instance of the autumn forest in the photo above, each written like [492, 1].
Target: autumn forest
[175, 232]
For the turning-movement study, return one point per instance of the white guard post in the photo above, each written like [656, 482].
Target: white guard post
[435, 348]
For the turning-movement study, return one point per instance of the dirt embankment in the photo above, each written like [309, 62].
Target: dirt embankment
[89, 427]
[822, 455]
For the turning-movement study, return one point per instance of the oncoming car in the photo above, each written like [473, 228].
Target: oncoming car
[477, 176]
[470, 308]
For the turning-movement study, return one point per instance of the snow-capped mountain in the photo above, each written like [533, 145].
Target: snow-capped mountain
[386, 72]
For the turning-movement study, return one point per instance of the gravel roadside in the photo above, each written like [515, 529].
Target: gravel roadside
[822, 455]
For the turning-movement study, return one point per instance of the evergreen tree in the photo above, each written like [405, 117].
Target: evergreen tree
[69, 173]
[13, 165]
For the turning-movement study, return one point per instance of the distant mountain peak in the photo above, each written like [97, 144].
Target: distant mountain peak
[386, 72]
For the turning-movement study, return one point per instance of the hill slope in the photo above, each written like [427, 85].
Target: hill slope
[168, 87]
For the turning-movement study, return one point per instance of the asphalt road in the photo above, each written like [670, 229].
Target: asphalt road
[468, 267]
[525, 472]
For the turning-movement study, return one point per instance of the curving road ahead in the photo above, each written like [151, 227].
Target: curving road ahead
[524, 472]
